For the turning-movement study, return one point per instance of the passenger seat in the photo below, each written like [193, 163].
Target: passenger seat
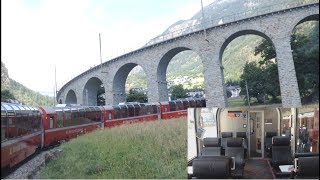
[211, 167]
[235, 150]
[212, 147]
[224, 137]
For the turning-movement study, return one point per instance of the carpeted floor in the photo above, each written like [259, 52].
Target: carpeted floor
[257, 169]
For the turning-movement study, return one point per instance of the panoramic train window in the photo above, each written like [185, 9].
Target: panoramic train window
[60, 122]
[68, 117]
[172, 106]
[307, 136]
[36, 122]
[117, 114]
[131, 110]
[142, 109]
[202, 123]
[82, 117]
[192, 104]
[198, 103]
[185, 104]
[154, 108]
[137, 110]
[4, 135]
[179, 105]
[124, 112]
[75, 115]
[20, 124]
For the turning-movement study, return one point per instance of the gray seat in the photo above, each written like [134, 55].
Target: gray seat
[268, 143]
[245, 141]
[212, 147]
[308, 167]
[235, 150]
[224, 136]
[281, 151]
[212, 167]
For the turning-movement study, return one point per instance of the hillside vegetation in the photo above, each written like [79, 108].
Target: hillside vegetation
[148, 150]
[21, 93]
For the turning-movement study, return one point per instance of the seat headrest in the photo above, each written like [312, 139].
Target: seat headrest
[271, 134]
[306, 154]
[234, 142]
[212, 167]
[241, 134]
[212, 142]
[280, 141]
[226, 134]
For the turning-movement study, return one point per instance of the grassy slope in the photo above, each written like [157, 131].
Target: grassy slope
[143, 150]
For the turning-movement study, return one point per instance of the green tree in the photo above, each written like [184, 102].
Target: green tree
[306, 60]
[254, 75]
[135, 96]
[6, 94]
[177, 91]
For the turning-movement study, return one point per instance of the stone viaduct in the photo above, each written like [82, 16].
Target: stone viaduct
[275, 26]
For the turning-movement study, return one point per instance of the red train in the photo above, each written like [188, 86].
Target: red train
[25, 129]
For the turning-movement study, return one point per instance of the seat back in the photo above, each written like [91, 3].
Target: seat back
[212, 147]
[281, 151]
[224, 136]
[211, 167]
[268, 142]
[244, 136]
[308, 167]
[235, 150]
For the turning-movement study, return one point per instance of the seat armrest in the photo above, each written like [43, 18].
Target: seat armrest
[233, 163]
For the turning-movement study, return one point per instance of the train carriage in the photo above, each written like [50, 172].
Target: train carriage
[64, 123]
[130, 113]
[20, 133]
[178, 108]
[25, 129]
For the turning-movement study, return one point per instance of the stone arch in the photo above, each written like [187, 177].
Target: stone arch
[313, 17]
[162, 70]
[308, 81]
[91, 90]
[260, 98]
[119, 81]
[71, 97]
[238, 34]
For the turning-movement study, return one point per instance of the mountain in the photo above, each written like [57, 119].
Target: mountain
[237, 53]
[21, 93]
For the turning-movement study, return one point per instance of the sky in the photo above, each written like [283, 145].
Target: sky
[39, 36]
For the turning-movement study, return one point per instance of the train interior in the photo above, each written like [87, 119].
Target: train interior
[260, 143]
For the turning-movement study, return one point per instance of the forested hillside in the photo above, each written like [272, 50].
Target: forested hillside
[10, 89]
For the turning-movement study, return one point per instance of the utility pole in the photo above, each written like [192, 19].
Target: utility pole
[55, 82]
[248, 98]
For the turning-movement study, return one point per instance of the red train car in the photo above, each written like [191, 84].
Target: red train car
[64, 123]
[130, 113]
[178, 108]
[20, 133]
[24, 129]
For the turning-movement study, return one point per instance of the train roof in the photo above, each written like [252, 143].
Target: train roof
[53, 109]
[16, 107]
